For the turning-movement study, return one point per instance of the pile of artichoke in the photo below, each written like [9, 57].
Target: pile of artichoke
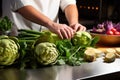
[8, 50]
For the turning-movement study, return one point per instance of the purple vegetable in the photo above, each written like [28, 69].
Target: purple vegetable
[105, 27]
[99, 29]
[108, 25]
[100, 26]
[117, 26]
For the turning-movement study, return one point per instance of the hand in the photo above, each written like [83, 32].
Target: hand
[78, 27]
[62, 30]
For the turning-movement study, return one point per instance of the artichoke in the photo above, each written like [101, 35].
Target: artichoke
[46, 53]
[8, 51]
[82, 38]
[47, 36]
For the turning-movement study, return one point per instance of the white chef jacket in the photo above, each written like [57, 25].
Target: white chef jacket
[48, 7]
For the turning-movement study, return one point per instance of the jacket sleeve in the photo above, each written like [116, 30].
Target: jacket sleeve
[17, 4]
[65, 3]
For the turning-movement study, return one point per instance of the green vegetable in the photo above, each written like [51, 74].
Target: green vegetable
[82, 38]
[26, 59]
[72, 51]
[30, 31]
[46, 53]
[46, 48]
[69, 54]
[47, 36]
[5, 24]
[27, 38]
[8, 51]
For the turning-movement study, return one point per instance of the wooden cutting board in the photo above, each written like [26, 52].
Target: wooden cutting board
[104, 48]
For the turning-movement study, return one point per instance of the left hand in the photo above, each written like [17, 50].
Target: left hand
[78, 27]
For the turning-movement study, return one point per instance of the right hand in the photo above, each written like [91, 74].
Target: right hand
[64, 31]
[78, 27]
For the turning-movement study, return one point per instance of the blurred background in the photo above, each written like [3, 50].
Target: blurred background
[0, 8]
[92, 12]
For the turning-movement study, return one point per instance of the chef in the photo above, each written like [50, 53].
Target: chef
[41, 15]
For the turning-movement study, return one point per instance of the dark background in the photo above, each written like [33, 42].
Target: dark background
[107, 10]
[0, 8]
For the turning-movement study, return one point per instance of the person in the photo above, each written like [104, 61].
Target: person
[43, 14]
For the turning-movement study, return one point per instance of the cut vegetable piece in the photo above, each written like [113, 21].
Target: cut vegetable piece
[117, 50]
[89, 55]
[110, 50]
[117, 55]
[109, 57]
[98, 52]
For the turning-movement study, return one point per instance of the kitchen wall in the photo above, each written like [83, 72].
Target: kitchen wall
[114, 10]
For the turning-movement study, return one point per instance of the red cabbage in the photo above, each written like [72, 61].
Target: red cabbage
[117, 26]
[105, 27]
[98, 30]
[108, 25]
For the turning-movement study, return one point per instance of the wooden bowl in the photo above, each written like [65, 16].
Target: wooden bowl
[107, 39]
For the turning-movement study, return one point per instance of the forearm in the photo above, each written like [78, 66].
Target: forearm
[71, 14]
[35, 16]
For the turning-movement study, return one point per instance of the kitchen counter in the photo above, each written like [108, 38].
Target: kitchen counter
[87, 71]
[97, 70]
